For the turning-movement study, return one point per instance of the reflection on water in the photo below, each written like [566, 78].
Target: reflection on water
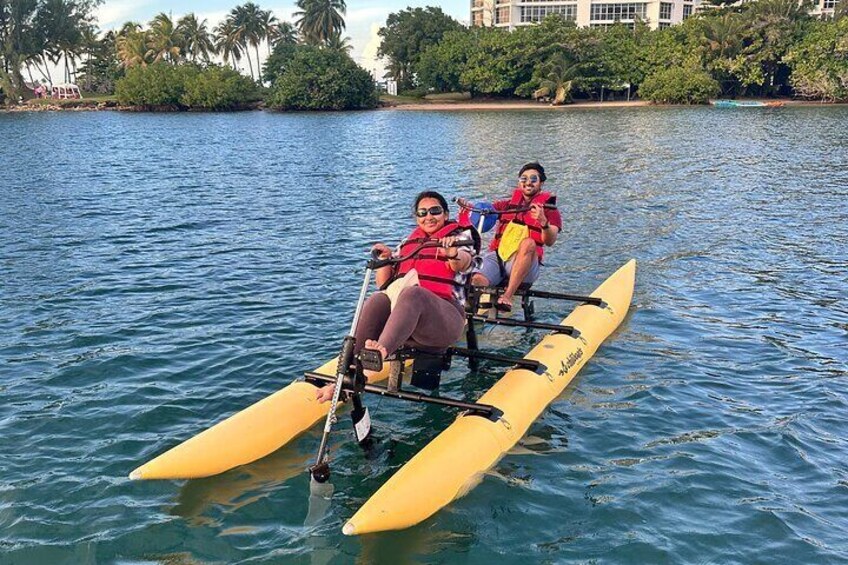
[163, 272]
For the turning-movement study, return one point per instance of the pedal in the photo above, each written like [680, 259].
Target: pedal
[371, 360]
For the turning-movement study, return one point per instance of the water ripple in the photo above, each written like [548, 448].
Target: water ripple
[163, 272]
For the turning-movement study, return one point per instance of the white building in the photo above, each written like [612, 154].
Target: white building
[824, 8]
[595, 13]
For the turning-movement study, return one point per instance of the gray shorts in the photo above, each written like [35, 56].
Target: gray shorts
[498, 275]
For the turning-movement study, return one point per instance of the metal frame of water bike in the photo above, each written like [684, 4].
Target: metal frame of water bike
[350, 380]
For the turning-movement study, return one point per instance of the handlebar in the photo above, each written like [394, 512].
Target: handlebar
[376, 263]
[493, 212]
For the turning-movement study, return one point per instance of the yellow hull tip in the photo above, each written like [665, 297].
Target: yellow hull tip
[136, 475]
[349, 529]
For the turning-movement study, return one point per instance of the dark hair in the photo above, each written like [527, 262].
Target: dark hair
[430, 194]
[536, 167]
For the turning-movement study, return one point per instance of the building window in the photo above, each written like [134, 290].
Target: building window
[829, 4]
[478, 19]
[539, 13]
[614, 12]
[663, 25]
[477, 4]
[665, 10]
[687, 10]
[502, 15]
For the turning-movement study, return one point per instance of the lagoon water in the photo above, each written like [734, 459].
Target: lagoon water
[160, 272]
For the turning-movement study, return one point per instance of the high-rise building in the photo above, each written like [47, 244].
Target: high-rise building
[595, 13]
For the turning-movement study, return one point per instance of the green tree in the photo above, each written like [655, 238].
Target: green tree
[131, 44]
[323, 79]
[269, 27]
[339, 43]
[772, 27]
[156, 86]
[165, 42]
[559, 76]
[279, 60]
[624, 55]
[320, 20]
[228, 42]
[441, 65]
[217, 88]
[407, 35]
[679, 85]
[196, 38]
[819, 62]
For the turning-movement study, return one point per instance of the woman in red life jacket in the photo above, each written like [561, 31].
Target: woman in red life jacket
[517, 249]
[431, 314]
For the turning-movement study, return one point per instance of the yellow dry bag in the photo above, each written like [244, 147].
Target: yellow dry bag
[511, 238]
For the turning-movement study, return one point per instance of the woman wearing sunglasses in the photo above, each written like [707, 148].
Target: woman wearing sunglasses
[431, 313]
[518, 246]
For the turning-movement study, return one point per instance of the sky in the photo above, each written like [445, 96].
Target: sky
[363, 18]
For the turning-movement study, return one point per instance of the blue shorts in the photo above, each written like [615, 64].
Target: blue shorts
[498, 273]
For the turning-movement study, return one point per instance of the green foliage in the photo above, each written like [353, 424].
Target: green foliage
[679, 85]
[155, 86]
[322, 79]
[441, 65]
[180, 87]
[819, 62]
[217, 88]
[407, 35]
[498, 66]
[278, 61]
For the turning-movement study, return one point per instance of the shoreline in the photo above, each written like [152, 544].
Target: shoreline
[423, 106]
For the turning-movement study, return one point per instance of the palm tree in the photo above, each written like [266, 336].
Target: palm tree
[165, 41]
[722, 37]
[269, 27]
[561, 76]
[240, 29]
[339, 43]
[319, 20]
[196, 37]
[252, 18]
[132, 47]
[286, 34]
[227, 43]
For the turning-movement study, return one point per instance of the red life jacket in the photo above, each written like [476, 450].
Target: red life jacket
[524, 218]
[431, 263]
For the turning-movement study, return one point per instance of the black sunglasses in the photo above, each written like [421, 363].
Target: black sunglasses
[433, 211]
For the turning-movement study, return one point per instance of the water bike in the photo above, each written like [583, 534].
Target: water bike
[453, 462]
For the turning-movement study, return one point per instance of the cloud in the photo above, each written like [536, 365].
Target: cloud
[114, 14]
[365, 14]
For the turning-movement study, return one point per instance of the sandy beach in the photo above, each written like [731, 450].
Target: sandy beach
[512, 105]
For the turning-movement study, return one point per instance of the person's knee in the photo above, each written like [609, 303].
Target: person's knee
[478, 279]
[412, 294]
[527, 247]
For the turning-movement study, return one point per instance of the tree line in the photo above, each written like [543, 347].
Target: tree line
[34, 33]
[763, 48]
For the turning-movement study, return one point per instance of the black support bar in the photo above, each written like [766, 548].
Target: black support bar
[569, 330]
[487, 410]
[543, 294]
[521, 363]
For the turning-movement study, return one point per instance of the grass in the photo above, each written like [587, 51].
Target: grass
[87, 99]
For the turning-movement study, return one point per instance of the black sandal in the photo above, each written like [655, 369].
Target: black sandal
[503, 306]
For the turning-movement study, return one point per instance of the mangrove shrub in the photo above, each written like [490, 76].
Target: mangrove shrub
[184, 87]
[217, 88]
[322, 79]
[819, 62]
[155, 86]
[679, 85]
